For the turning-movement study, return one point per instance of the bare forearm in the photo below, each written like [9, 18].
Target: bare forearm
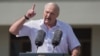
[17, 25]
[76, 51]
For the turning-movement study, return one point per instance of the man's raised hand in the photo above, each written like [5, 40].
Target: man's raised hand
[31, 13]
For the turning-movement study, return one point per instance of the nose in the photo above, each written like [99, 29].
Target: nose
[48, 15]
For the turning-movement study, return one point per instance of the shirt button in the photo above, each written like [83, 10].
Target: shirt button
[50, 49]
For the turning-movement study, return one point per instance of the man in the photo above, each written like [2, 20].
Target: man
[49, 24]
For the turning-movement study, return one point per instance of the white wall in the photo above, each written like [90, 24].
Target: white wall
[79, 12]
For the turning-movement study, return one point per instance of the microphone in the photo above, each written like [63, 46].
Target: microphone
[40, 38]
[57, 37]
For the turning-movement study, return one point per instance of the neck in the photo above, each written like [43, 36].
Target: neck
[51, 25]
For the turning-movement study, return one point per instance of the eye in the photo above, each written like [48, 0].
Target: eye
[47, 12]
[53, 13]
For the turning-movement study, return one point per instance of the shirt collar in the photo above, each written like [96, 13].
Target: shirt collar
[57, 24]
[44, 26]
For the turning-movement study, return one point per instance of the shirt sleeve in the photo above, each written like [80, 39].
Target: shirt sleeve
[72, 39]
[25, 30]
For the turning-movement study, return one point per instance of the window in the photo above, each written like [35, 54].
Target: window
[84, 36]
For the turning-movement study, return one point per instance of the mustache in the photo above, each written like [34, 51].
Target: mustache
[48, 18]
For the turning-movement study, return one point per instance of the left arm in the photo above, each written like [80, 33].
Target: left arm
[76, 51]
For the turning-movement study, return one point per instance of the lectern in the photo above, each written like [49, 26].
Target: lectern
[42, 54]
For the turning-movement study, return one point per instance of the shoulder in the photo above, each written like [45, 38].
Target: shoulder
[64, 25]
[31, 23]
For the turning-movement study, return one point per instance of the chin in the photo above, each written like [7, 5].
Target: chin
[47, 22]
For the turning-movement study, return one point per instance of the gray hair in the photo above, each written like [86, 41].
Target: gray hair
[54, 4]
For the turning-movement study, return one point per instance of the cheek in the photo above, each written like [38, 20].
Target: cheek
[53, 17]
[44, 15]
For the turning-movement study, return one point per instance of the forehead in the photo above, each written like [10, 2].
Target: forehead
[51, 7]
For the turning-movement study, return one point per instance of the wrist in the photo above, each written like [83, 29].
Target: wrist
[26, 17]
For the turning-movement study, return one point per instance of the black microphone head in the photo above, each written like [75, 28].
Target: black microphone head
[40, 38]
[57, 37]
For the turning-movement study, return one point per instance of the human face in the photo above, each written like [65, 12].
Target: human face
[50, 15]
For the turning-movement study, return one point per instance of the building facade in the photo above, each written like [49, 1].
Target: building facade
[84, 16]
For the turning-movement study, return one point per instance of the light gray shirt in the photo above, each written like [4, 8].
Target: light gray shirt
[68, 40]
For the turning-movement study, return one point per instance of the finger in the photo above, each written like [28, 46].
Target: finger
[33, 7]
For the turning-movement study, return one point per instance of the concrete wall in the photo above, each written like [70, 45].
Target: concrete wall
[73, 12]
